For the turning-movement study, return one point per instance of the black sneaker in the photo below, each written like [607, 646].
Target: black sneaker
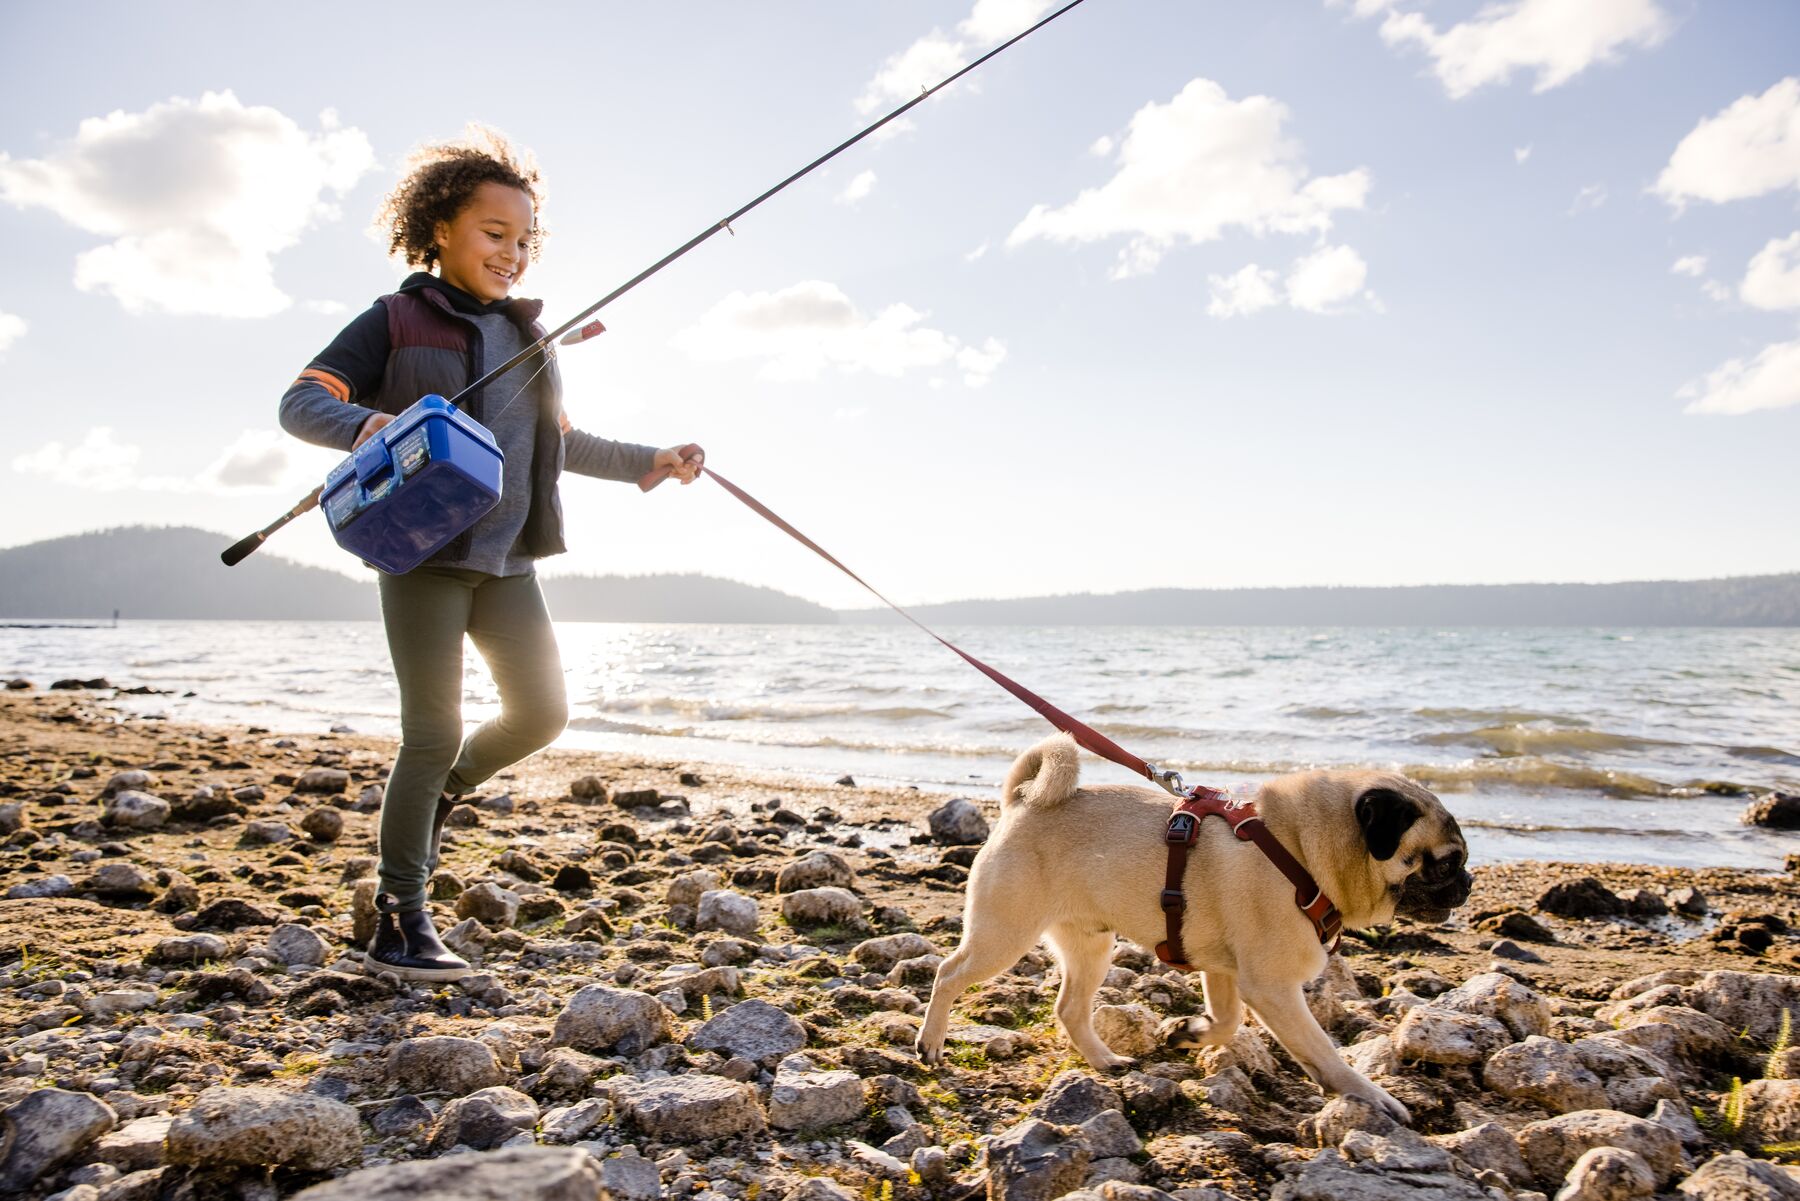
[407, 945]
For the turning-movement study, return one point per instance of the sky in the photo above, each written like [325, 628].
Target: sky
[1172, 293]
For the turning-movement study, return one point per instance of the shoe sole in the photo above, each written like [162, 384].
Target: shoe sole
[428, 975]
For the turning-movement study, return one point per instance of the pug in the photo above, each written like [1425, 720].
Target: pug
[1078, 865]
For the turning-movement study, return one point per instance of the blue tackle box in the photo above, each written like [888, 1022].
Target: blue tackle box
[424, 478]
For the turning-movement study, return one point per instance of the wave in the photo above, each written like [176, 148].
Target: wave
[1528, 740]
[1497, 717]
[1531, 772]
[1764, 754]
[750, 711]
[1325, 712]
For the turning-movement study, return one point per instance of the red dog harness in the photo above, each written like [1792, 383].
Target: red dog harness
[1184, 831]
[1184, 823]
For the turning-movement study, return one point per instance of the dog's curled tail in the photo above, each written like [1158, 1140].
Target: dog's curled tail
[1044, 775]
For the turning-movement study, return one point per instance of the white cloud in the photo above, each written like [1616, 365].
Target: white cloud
[1770, 381]
[1326, 278]
[976, 253]
[198, 196]
[1690, 264]
[330, 308]
[1102, 146]
[1556, 39]
[1715, 290]
[1749, 148]
[99, 461]
[1248, 290]
[1521, 153]
[12, 328]
[1590, 197]
[1192, 168]
[802, 330]
[857, 188]
[1772, 280]
[937, 54]
[258, 461]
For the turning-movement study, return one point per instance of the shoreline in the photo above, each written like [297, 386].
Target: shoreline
[209, 950]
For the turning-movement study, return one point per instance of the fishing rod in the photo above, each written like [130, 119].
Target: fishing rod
[247, 546]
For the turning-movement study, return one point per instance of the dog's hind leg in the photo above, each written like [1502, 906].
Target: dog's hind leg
[1085, 955]
[987, 949]
[1224, 1014]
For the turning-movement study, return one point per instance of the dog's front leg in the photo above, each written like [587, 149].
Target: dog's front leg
[1282, 1007]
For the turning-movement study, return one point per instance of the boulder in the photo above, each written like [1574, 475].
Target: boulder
[44, 1130]
[1108, 1135]
[730, 912]
[820, 869]
[689, 1108]
[190, 948]
[1516, 1006]
[1130, 1030]
[1489, 1147]
[599, 1018]
[753, 1030]
[122, 881]
[1328, 1177]
[1342, 1116]
[571, 1123]
[515, 1173]
[1737, 1177]
[1582, 897]
[688, 887]
[484, 1119]
[120, 781]
[292, 944]
[1541, 1071]
[133, 810]
[1447, 1036]
[1074, 1097]
[267, 833]
[1771, 1112]
[259, 1126]
[443, 1063]
[489, 904]
[137, 1145]
[881, 954]
[323, 824]
[1608, 1174]
[1035, 1161]
[57, 885]
[1751, 1001]
[957, 823]
[1552, 1146]
[804, 1098]
[821, 907]
[323, 779]
[1775, 811]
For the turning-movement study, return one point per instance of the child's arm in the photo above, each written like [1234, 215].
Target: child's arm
[603, 458]
[320, 406]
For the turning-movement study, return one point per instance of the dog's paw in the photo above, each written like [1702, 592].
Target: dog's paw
[928, 1054]
[1381, 1099]
[1189, 1034]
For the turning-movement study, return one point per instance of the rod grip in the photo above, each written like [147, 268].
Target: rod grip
[242, 549]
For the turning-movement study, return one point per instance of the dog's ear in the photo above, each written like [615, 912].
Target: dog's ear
[1385, 816]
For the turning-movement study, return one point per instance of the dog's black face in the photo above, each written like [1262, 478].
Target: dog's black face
[1420, 837]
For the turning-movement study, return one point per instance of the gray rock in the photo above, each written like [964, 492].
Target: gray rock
[957, 823]
[754, 1030]
[122, 880]
[1436, 1035]
[689, 1108]
[295, 944]
[267, 832]
[1737, 1177]
[1583, 897]
[1400, 1150]
[1035, 1161]
[1690, 901]
[1506, 948]
[115, 1001]
[190, 948]
[13, 817]
[881, 954]
[57, 885]
[1327, 1177]
[1608, 1174]
[323, 779]
[599, 1018]
[573, 1122]
[688, 887]
[1680, 1037]
[44, 1130]
[820, 869]
[1679, 1120]
[136, 1145]
[1108, 1135]
[1342, 1116]
[133, 810]
[1551, 1147]
[484, 1119]
[722, 909]
[819, 1188]
[1774, 811]
[1771, 1112]
[821, 907]
[1747, 1000]
[1131, 1030]
[511, 1173]
[123, 780]
[403, 1115]
[1492, 995]
[443, 1063]
[1489, 1147]
[323, 824]
[630, 1178]
[1074, 1097]
[805, 1098]
[1542, 1071]
[489, 904]
[257, 1126]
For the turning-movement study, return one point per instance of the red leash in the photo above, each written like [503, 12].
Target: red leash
[1197, 802]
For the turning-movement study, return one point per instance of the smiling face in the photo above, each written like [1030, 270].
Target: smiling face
[486, 249]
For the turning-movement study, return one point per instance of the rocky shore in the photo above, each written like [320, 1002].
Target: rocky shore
[703, 984]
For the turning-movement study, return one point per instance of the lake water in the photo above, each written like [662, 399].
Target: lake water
[1586, 744]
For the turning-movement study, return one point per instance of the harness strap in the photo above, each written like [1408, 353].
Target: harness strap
[1201, 802]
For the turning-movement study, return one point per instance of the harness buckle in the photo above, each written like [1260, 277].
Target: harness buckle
[1183, 826]
[1173, 898]
[1168, 778]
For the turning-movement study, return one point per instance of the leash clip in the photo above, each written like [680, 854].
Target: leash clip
[1169, 779]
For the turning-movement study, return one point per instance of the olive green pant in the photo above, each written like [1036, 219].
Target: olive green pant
[427, 611]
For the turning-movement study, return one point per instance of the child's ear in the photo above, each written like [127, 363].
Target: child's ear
[440, 234]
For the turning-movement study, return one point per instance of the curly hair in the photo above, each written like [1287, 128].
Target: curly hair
[441, 179]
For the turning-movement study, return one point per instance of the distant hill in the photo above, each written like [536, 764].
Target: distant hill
[175, 572]
[1765, 600]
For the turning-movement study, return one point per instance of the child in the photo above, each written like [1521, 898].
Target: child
[468, 209]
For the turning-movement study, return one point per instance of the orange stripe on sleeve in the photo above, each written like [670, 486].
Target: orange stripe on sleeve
[329, 382]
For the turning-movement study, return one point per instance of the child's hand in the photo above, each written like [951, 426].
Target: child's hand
[684, 468]
[370, 427]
